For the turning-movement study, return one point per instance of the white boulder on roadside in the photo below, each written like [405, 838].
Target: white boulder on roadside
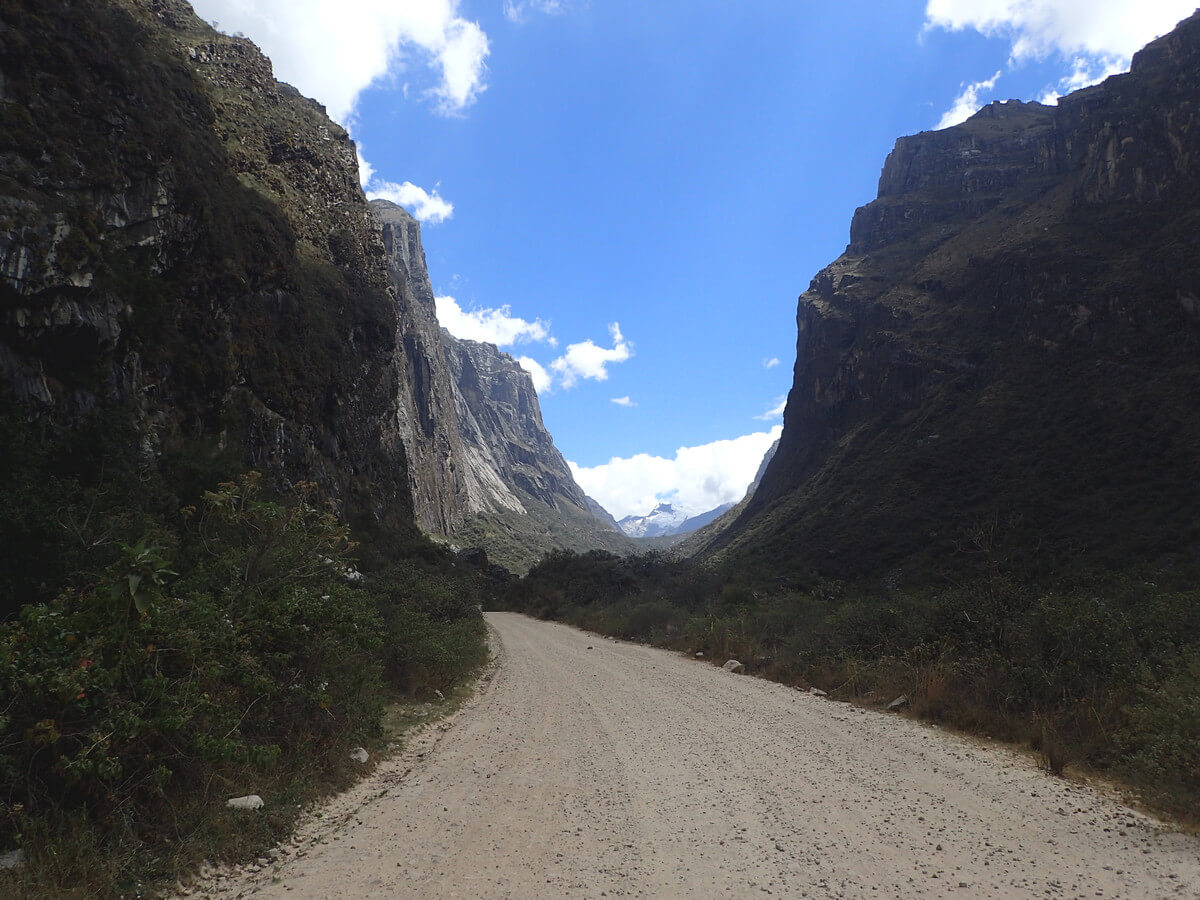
[359, 754]
[250, 801]
[733, 666]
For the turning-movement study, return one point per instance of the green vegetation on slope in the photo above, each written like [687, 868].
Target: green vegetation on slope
[1094, 668]
[518, 541]
[178, 646]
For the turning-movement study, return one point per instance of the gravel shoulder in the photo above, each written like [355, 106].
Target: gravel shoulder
[587, 767]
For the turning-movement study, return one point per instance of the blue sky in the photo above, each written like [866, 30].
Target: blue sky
[629, 196]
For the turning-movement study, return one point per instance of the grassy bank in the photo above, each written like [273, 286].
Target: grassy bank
[170, 655]
[1093, 669]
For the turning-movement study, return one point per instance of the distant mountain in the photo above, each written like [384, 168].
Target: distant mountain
[665, 519]
[702, 519]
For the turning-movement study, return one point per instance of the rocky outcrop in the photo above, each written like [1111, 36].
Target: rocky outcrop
[482, 466]
[1009, 337]
[183, 237]
[426, 409]
[506, 447]
[521, 498]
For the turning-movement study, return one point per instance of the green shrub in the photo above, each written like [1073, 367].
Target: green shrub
[131, 696]
[1162, 738]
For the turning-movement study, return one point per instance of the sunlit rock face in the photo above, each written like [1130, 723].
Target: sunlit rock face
[482, 466]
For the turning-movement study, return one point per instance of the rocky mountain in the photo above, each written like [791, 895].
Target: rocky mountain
[1008, 345]
[762, 469]
[663, 519]
[522, 499]
[426, 405]
[184, 245]
[666, 520]
[483, 468]
[185, 249]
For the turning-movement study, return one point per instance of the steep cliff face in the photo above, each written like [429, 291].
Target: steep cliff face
[483, 469]
[183, 237]
[1012, 335]
[506, 447]
[521, 497]
[426, 411]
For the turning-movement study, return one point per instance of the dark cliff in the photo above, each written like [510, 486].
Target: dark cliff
[183, 238]
[185, 248]
[1012, 335]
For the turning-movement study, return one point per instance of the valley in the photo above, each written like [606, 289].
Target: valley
[255, 496]
[590, 767]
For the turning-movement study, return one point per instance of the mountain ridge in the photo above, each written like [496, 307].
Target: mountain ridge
[1012, 324]
[486, 469]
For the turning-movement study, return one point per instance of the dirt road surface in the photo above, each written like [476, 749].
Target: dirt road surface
[587, 767]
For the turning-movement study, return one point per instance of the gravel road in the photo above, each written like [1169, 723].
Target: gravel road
[587, 767]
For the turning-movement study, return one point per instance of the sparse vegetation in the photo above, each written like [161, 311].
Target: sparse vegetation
[1094, 669]
[172, 655]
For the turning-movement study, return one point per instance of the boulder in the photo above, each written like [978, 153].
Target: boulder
[13, 859]
[699, 654]
[898, 702]
[817, 692]
[359, 755]
[250, 801]
[733, 666]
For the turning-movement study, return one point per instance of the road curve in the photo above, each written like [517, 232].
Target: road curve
[587, 768]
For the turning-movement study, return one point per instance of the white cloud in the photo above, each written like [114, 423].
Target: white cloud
[519, 10]
[1037, 28]
[770, 363]
[775, 411]
[696, 479]
[492, 326]
[588, 360]
[1084, 73]
[967, 103]
[425, 206]
[366, 171]
[541, 378]
[333, 51]
[624, 401]
[1097, 39]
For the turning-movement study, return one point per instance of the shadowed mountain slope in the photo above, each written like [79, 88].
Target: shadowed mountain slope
[1012, 336]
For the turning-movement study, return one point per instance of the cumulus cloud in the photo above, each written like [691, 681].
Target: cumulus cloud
[770, 363]
[589, 360]
[425, 206]
[366, 171]
[775, 411]
[1096, 39]
[1037, 28]
[696, 479]
[333, 51]
[624, 401]
[1084, 73]
[541, 378]
[967, 103]
[492, 326]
